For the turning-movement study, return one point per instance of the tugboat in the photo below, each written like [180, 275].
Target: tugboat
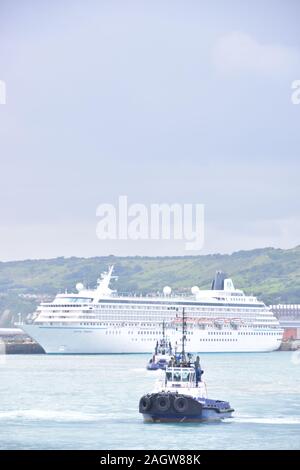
[182, 395]
[162, 354]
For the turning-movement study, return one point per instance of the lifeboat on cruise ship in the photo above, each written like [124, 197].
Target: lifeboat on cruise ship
[219, 324]
[235, 323]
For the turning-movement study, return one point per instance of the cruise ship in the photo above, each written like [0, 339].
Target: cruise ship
[99, 321]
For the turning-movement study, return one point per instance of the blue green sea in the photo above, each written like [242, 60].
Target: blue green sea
[91, 402]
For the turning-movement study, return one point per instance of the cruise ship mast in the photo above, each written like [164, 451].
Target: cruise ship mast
[103, 289]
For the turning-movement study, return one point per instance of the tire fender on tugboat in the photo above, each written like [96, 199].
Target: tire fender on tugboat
[181, 404]
[145, 403]
[163, 402]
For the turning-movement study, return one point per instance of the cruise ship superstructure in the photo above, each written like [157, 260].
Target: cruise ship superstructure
[222, 319]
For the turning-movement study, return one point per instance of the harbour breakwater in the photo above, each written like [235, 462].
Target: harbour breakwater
[14, 341]
[290, 345]
[23, 347]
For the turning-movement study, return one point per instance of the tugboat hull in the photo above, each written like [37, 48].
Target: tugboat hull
[176, 407]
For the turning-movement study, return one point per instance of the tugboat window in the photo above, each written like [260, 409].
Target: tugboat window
[169, 376]
[176, 377]
[185, 376]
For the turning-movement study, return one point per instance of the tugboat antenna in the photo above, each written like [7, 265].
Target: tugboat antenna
[183, 334]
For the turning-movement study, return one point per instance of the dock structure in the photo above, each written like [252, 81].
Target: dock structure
[15, 341]
[289, 318]
[11, 332]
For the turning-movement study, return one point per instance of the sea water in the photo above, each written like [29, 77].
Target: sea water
[91, 402]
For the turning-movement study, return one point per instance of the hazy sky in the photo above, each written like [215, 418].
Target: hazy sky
[163, 101]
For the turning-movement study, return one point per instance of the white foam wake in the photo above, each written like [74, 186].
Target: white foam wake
[267, 420]
[48, 415]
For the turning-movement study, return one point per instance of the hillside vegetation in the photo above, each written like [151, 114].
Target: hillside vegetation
[271, 274]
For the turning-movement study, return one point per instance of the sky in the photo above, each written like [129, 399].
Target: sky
[163, 101]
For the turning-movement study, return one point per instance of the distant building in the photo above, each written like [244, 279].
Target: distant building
[289, 317]
[5, 332]
[39, 297]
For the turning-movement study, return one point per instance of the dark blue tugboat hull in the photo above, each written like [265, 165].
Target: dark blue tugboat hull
[209, 415]
[175, 407]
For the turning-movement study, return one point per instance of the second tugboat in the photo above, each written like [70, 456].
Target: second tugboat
[182, 395]
[162, 354]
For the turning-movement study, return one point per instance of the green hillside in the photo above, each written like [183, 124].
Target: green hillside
[271, 274]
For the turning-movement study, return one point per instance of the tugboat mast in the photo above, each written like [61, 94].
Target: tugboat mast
[183, 334]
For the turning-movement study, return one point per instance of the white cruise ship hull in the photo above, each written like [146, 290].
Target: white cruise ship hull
[100, 340]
